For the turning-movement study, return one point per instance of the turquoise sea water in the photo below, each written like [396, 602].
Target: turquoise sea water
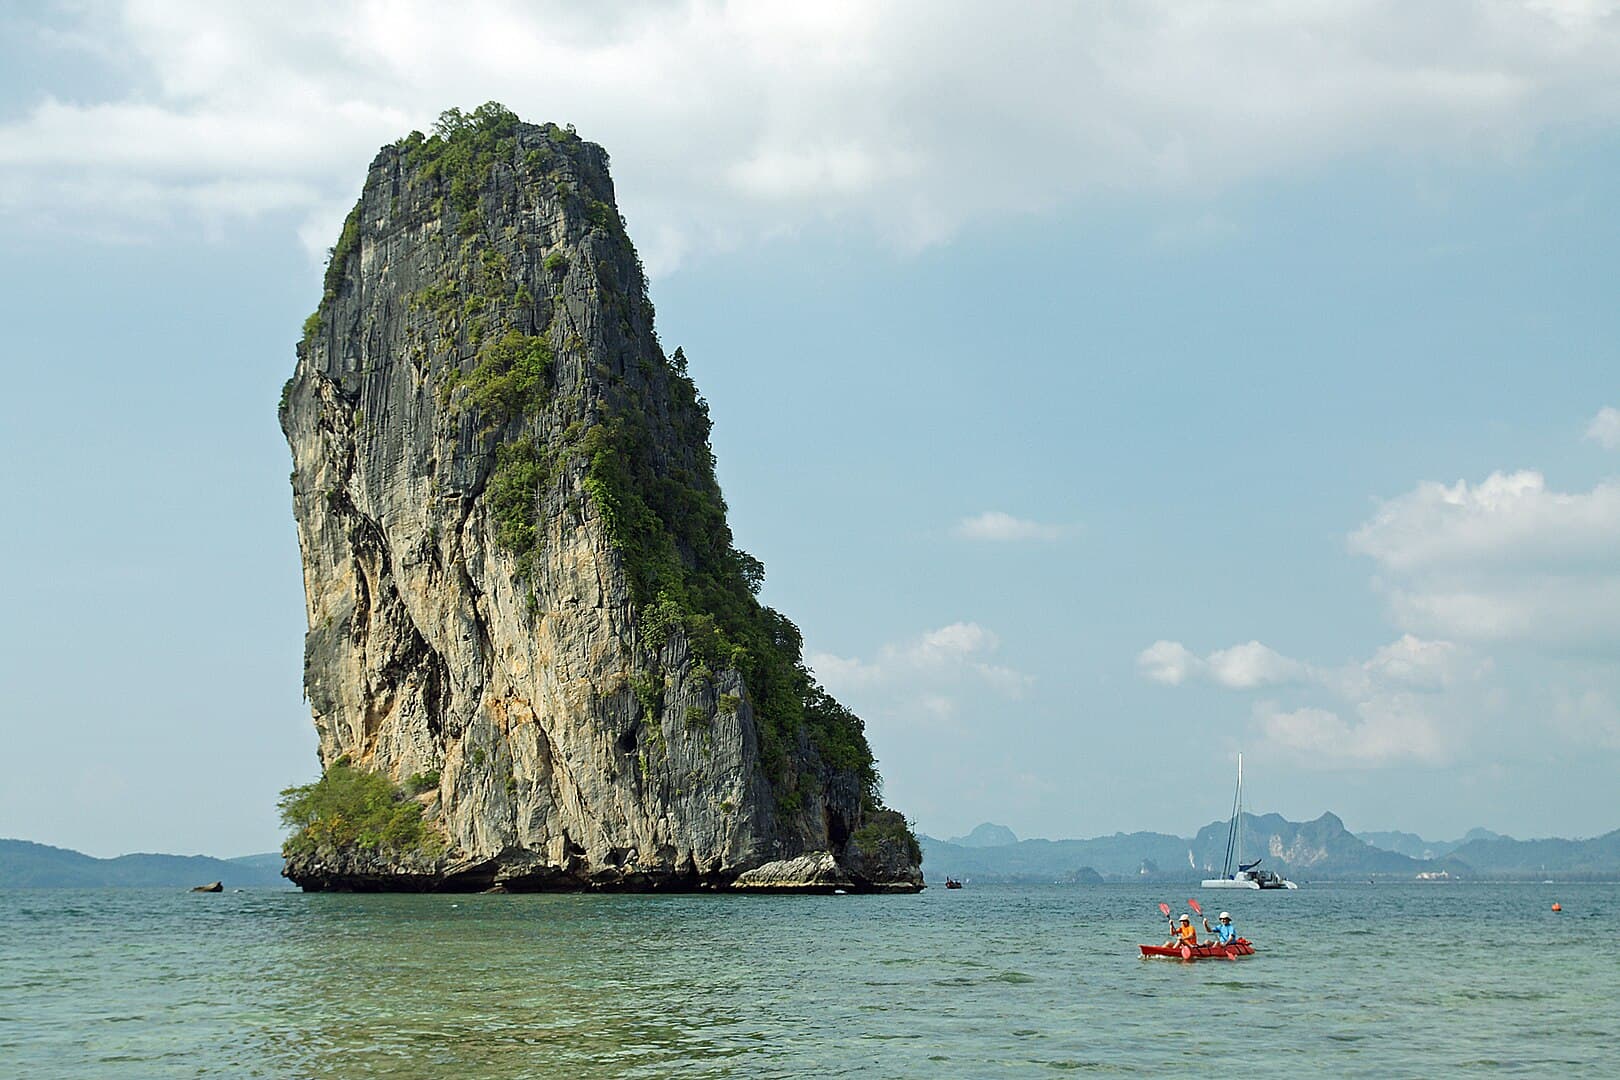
[1415, 980]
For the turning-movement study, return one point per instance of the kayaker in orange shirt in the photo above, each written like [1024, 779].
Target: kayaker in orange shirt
[1185, 934]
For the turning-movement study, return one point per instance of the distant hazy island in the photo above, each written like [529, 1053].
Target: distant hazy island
[26, 865]
[1320, 850]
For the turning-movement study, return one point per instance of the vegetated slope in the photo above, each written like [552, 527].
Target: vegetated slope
[527, 618]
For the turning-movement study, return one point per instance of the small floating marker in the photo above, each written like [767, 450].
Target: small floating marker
[1557, 906]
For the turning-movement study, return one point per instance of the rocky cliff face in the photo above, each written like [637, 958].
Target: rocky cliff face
[523, 598]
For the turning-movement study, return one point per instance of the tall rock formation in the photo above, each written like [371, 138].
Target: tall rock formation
[525, 608]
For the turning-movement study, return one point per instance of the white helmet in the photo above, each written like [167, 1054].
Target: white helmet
[1185, 919]
[1226, 914]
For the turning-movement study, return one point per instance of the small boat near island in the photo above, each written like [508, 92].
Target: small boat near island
[1245, 876]
[952, 883]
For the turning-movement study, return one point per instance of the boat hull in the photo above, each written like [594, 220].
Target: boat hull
[1237, 949]
[1243, 881]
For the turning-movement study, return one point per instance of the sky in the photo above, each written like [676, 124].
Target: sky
[1108, 389]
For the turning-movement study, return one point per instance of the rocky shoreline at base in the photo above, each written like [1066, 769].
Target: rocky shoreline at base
[518, 872]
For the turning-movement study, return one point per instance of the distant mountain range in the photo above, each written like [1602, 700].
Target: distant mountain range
[986, 835]
[1320, 850]
[26, 865]
[1418, 848]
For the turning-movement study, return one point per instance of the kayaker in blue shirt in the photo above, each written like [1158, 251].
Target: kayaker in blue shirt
[1225, 933]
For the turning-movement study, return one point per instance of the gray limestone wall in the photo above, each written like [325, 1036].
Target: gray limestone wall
[431, 647]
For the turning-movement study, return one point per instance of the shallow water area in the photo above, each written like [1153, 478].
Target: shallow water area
[991, 980]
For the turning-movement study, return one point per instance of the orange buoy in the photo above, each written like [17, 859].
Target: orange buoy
[1557, 906]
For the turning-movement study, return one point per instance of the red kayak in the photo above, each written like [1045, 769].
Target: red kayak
[1240, 947]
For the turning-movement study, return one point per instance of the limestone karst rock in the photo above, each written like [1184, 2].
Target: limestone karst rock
[524, 605]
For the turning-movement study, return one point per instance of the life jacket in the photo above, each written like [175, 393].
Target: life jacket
[1188, 933]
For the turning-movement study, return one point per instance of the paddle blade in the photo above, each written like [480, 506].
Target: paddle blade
[1194, 905]
[1165, 908]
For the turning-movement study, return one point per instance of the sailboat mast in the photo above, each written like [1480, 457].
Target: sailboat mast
[1232, 824]
[1238, 819]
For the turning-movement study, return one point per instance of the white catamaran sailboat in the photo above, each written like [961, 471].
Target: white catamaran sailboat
[1245, 876]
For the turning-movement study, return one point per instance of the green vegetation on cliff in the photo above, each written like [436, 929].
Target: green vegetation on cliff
[511, 377]
[668, 522]
[349, 808]
[337, 258]
[886, 827]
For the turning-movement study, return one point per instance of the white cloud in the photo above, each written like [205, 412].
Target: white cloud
[1008, 681]
[1244, 667]
[1410, 701]
[1390, 730]
[1408, 663]
[1504, 560]
[1412, 662]
[1605, 428]
[1168, 662]
[950, 656]
[733, 122]
[1549, 611]
[995, 525]
[948, 645]
[1241, 667]
[1507, 519]
[844, 671]
[1588, 717]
